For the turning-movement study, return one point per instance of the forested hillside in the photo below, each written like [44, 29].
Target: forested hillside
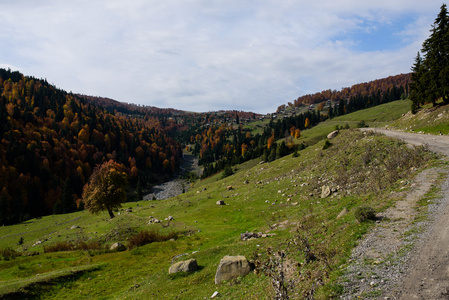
[51, 141]
[380, 89]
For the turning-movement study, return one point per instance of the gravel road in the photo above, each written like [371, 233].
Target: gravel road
[400, 258]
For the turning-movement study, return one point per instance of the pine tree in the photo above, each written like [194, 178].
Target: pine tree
[431, 74]
[418, 86]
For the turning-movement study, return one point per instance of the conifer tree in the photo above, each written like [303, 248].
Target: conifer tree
[431, 72]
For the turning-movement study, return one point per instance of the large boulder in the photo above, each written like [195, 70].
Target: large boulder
[231, 267]
[184, 266]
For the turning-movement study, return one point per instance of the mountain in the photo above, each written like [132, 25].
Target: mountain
[382, 87]
[51, 140]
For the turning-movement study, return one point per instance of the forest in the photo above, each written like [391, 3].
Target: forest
[51, 140]
[382, 86]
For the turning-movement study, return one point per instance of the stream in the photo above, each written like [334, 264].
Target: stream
[176, 186]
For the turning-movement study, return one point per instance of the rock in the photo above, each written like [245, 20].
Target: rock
[220, 202]
[229, 188]
[231, 267]
[250, 235]
[215, 294]
[342, 213]
[184, 266]
[170, 218]
[74, 227]
[325, 191]
[117, 247]
[129, 210]
[246, 182]
[332, 134]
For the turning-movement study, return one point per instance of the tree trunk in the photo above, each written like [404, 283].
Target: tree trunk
[111, 214]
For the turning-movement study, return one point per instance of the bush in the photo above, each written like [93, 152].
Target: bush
[145, 237]
[361, 124]
[327, 144]
[227, 172]
[69, 246]
[8, 253]
[364, 213]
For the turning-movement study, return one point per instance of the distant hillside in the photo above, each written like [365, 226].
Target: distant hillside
[51, 141]
[383, 86]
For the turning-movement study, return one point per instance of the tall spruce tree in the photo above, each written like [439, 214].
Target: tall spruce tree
[431, 74]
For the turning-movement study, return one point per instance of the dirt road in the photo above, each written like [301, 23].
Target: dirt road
[436, 143]
[425, 274]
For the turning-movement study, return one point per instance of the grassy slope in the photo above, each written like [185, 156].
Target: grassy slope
[211, 231]
[377, 116]
[432, 120]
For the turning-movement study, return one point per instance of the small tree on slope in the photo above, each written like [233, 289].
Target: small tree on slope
[106, 188]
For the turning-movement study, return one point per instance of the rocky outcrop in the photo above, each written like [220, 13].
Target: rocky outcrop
[184, 266]
[231, 267]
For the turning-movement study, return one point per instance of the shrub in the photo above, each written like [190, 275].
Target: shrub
[227, 172]
[149, 236]
[364, 213]
[69, 246]
[361, 124]
[8, 253]
[327, 144]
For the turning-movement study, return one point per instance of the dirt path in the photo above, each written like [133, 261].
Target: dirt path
[386, 265]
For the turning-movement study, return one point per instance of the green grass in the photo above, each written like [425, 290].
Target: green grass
[378, 116]
[207, 231]
[428, 119]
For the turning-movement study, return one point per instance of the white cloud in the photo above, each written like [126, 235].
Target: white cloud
[208, 55]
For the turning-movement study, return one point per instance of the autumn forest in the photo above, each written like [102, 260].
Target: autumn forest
[52, 140]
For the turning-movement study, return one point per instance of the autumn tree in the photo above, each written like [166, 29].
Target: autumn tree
[307, 123]
[106, 188]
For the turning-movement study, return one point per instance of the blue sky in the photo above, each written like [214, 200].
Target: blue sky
[204, 55]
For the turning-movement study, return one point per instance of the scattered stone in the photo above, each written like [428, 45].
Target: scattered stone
[184, 266]
[220, 202]
[215, 294]
[229, 188]
[231, 267]
[117, 247]
[253, 235]
[37, 243]
[332, 134]
[170, 218]
[246, 182]
[325, 191]
[154, 220]
[129, 210]
[74, 227]
[342, 213]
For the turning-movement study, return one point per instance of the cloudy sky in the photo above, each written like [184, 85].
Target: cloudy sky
[204, 55]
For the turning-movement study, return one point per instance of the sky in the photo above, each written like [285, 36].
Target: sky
[209, 55]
